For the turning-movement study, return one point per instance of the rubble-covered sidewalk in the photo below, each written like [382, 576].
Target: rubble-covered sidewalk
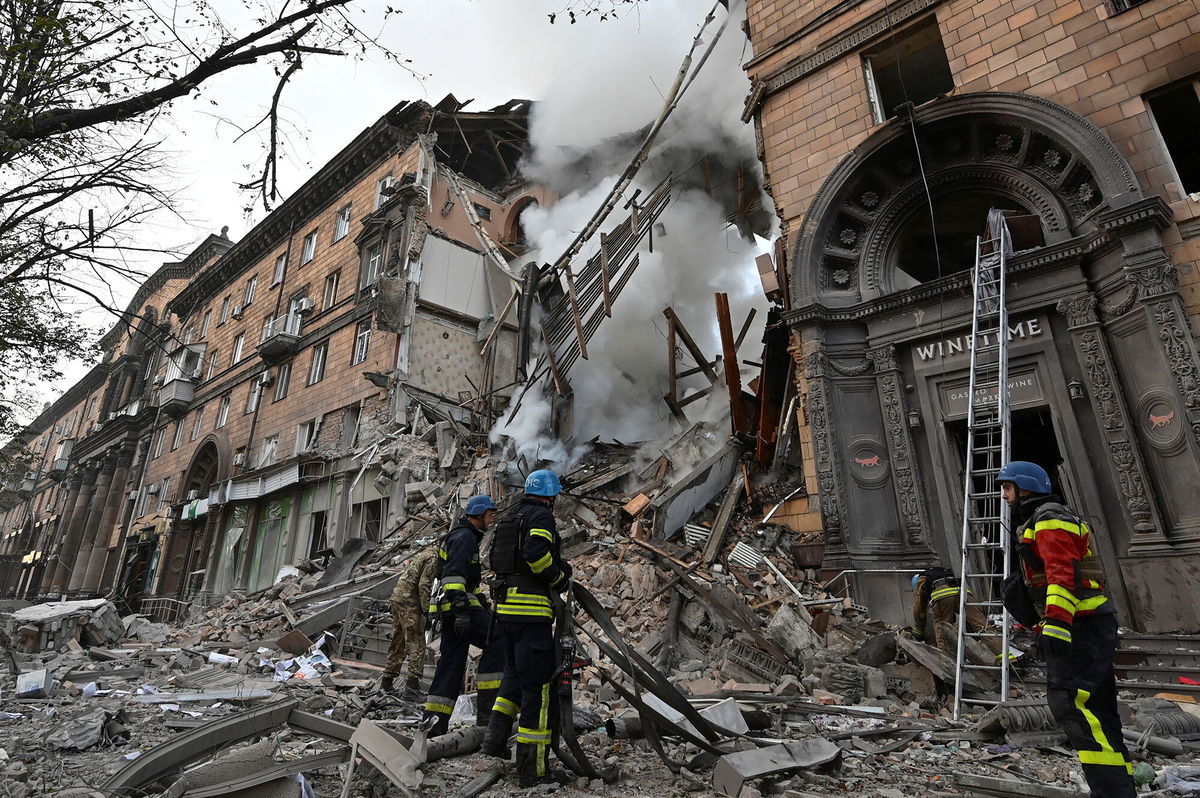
[744, 674]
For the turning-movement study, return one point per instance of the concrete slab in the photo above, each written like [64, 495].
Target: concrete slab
[734, 770]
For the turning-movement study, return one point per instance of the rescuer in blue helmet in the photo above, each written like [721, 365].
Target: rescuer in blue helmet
[1060, 589]
[466, 620]
[530, 570]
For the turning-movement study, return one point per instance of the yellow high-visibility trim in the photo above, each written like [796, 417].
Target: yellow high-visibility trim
[441, 709]
[442, 553]
[544, 720]
[944, 593]
[490, 684]
[454, 584]
[1061, 603]
[1101, 758]
[541, 563]
[542, 533]
[1054, 523]
[1058, 632]
[1089, 604]
[1081, 698]
[503, 705]
[532, 612]
[517, 597]
[1063, 593]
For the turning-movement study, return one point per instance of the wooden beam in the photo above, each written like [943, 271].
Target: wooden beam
[605, 272]
[690, 343]
[733, 378]
[724, 514]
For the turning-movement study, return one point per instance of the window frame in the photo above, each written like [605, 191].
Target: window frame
[320, 358]
[1149, 99]
[223, 410]
[879, 114]
[341, 223]
[280, 269]
[226, 305]
[283, 380]
[239, 348]
[251, 291]
[329, 297]
[205, 324]
[309, 249]
[177, 436]
[160, 440]
[198, 424]
[387, 181]
[362, 340]
[371, 266]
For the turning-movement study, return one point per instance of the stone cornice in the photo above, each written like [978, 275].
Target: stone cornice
[1040, 260]
[841, 44]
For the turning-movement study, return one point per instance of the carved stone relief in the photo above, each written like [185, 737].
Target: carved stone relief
[823, 444]
[896, 427]
[1127, 467]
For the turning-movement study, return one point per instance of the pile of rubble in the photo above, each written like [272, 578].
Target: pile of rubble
[744, 675]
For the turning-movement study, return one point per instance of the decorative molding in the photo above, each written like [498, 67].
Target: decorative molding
[1120, 308]
[1080, 310]
[1181, 357]
[823, 445]
[1152, 211]
[1155, 280]
[832, 50]
[887, 375]
[1100, 380]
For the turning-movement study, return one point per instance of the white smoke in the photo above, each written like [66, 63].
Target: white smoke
[584, 132]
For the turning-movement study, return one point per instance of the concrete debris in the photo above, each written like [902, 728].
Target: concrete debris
[274, 692]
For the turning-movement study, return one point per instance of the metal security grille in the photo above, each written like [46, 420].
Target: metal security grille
[985, 547]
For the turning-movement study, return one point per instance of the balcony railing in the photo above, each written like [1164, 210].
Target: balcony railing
[176, 396]
[280, 338]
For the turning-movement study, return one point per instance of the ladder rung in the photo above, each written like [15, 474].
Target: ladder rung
[973, 667]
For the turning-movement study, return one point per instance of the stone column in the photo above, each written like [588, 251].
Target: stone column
[1125, 461]
[113, 502]
[70, 542]
[92, 523]
[904, 466]
[74, 483]
[825, 448]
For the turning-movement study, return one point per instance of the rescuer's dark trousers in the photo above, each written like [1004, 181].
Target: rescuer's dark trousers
[527, 691]
[1082, 693]
[452, 667]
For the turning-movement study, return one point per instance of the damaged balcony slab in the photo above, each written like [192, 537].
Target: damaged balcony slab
[694, 490]
[734, 770]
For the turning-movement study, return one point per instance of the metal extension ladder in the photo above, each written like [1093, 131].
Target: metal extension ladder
[985, 544]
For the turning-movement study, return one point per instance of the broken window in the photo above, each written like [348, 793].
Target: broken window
[910, 66]
[383, 189]
[280, 268]
[310, 248]
[341, 227]
[198, 423]
[282, 380]
[316, 370]
[266, 454]
[484, 212]
[362, 342]
[178, 436]
[372, 259]
[223, 410]
[306, 435]
[238, 344]
[316, 537]
[251, 289]
[1176, 112]
[329, 295]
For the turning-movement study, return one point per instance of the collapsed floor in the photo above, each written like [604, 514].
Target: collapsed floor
[799, 692]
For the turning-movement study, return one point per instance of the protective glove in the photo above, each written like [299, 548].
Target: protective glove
[483, 600]
[1054, 639]
[461, 607]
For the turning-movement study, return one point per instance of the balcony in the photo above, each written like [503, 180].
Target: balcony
[280, 339]
[176, 396]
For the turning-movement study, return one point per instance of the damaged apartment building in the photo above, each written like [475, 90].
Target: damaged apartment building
[236, 422]
[1077, 118]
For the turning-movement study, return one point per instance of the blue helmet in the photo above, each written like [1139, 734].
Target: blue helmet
[478, 505]
[916, 578]
[542, 483]
[1026, 476]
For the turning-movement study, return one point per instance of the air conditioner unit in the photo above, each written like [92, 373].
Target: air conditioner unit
[237, 312]
[196, 374]
[152, 489]
[266, 378]
[305, 305]
[239, 460]
[193, 495]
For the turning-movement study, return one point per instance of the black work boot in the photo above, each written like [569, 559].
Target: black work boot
[528, 767]
[484, 700]
[496, 742]
[386, 683]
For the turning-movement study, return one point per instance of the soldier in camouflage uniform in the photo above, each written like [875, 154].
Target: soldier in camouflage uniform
[410, 599]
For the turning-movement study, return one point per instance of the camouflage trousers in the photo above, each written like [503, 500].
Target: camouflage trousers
[408, 642]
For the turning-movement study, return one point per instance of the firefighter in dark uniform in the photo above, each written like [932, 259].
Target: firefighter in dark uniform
[1063, 582]
[530, 572]
[465, 621]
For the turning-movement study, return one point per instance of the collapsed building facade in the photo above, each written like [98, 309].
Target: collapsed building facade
[234, 424]
[1071, 116]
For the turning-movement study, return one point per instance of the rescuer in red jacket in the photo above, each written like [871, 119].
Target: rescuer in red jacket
[1078, 628]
